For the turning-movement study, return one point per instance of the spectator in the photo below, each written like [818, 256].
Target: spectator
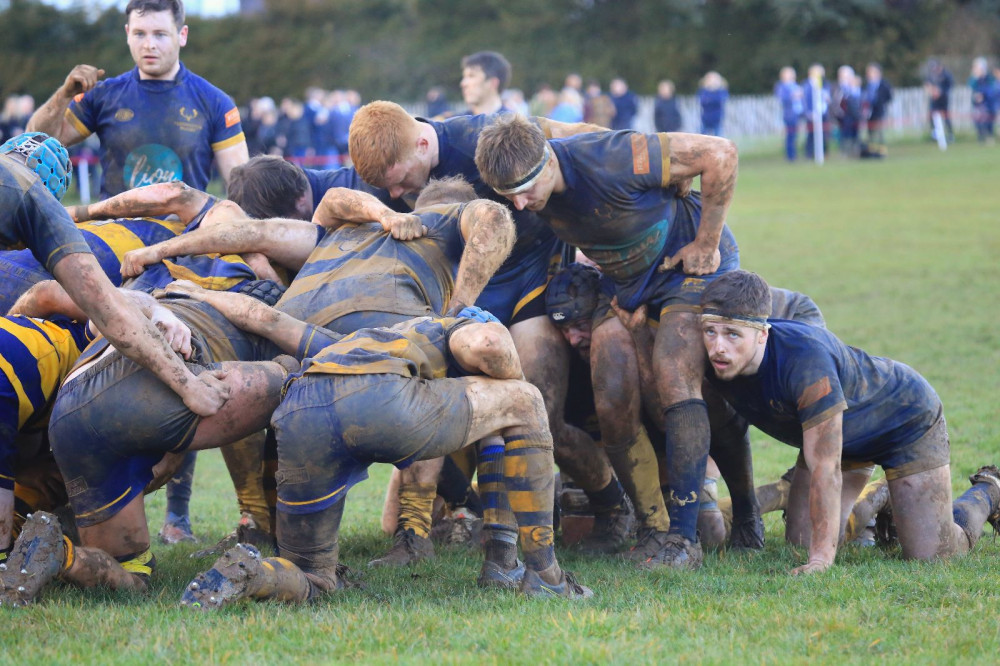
[847, 109]
[816, 98]
[666, 114]
[875, 107]
[789, 92]
[598, 109]
[574, 81]
[938, 83]
[294, 128]
[543, 101]
[569, 109]
[437, 103]
[513, 100]
[712, 95]
[626, 104]
[983, 99]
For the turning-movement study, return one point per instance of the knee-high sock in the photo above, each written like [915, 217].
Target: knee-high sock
[872, 499]
[455, 488]
[245, 462]
[530, 480]
[687, 429]
[973, 508]
[498, 519]
[638, 471]
[310, 542]
[179, 487]
[416, 506]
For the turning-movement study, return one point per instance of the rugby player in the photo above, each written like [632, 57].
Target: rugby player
[107, 454]
[400, 153]
[803, 386]
[393, 395]
[622, 198]
[158, 122]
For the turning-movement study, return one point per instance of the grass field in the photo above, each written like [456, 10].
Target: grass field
[900, 255]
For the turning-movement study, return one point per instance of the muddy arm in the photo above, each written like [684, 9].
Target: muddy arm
[175, 198]
[489, 233]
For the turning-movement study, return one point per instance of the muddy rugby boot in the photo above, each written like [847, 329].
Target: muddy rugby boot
[989, 474]
[246, 532]
[407, 548]
[747, 533]
[612, 529]
[461, 528]
[228, 580]
[176, 529]
[36, 558]
[678, 553]
[495, 575]
[533, 586]
[650, 541]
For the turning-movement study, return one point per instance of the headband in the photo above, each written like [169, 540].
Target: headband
[529, 179]
[714, 315]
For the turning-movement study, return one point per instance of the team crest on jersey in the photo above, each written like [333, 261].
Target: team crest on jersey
[188, 114]
[693, 284]
[150, 164]
[124, 115]
[190, 122]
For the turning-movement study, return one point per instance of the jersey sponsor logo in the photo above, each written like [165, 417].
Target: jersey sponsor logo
[150, 164]
[124, 115]
[232, 117]
[640, 155]
[78, 98]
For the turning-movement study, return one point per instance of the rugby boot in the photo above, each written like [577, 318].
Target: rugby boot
[230, 579]
[495, 575]
[989, 474]
[677, 553]
[533, 585]
[176, 529]
[246, 532]
[407, 548]
[747, 533]
[461, 528]
[612, 529]
[650, 541]
[36, 558]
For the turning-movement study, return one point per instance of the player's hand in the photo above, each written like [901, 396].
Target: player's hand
[695, 258]
[81, 79]
[207, 393]
[814, 565]
[135, 261]
[634, 321]
[403, 226]
[176, 332]
[164, 470]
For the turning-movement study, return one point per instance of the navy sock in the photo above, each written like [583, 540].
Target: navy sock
[688, 435]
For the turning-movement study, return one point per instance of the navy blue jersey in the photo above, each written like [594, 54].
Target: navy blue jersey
[31, 217]
[808, 376]
[457, 139]
[359, 267]
[156, 131]
[322, 180]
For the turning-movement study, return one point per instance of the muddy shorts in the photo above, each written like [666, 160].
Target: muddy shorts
[519, 294]
[330, 428]
[109, 426]
[847, 465]
[930, 451]
[19, 271]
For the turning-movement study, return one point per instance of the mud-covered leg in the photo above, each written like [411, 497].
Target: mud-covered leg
[980, 504]
[245, 462]
[679, 364]
[872, 499]
[309, 550]
[615, 376]
[730, 449]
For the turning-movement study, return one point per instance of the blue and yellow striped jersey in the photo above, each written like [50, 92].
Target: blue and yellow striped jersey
[415, 348]
[35, 356]
[360, 267]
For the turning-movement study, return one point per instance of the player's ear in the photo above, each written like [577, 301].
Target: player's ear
[182, 35]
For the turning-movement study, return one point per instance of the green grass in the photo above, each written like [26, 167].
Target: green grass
[900, 255]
